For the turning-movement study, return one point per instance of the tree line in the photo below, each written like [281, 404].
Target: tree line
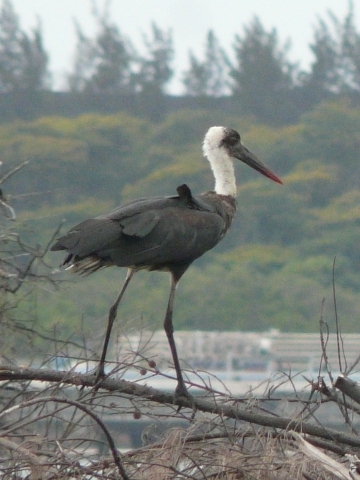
[276, 262]
[261, 80]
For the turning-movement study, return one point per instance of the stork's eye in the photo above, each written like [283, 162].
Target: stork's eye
[233, 140]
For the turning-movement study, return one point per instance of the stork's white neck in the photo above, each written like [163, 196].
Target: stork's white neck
[223, 169]
[220, 162]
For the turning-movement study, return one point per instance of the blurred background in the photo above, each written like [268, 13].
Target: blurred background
[109, 101]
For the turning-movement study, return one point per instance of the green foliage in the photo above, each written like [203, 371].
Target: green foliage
[275, 266]
[332, 132]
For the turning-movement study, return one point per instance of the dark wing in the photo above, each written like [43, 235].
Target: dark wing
[94, 234]
[88, 237]
[151, 233]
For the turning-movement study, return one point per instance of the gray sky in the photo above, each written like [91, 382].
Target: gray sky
[189, 19]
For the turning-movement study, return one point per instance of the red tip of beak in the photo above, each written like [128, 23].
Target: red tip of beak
[272, 176]
[276, 179]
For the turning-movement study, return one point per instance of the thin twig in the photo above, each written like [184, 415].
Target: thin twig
[82, 407]
[336, 315]
[12, 171]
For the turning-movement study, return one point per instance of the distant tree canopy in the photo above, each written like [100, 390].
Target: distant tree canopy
[23, 60]
[210, 76]
[256, 77]
[262, 75]
[155, 67]
[275, 264]
[110, 64]
[103, 64]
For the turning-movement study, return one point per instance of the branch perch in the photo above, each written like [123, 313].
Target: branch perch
[133, 389]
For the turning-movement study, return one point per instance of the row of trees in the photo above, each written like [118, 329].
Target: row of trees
[275, 264]
[261, 77]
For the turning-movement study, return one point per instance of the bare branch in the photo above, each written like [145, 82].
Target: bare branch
[89, 412]
[224, 410]
[349, 388]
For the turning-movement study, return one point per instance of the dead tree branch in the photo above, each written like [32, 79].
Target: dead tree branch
[224, 410]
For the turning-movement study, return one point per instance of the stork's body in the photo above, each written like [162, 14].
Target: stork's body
[163, 233]
[153, 234]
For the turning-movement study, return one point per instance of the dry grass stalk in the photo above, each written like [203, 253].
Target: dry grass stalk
[259, 456]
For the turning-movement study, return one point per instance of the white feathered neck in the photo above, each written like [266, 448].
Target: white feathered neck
[220, 161]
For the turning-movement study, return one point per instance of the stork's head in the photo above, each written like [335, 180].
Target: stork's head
[226, 141]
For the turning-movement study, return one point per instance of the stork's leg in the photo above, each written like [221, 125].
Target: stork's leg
[181, 389]
[112, 315]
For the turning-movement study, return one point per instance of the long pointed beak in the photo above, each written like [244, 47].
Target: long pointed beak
[242, 153]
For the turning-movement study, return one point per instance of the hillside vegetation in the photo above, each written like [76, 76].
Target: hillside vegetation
[272, 270]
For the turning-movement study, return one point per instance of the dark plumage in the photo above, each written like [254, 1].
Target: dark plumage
[153, 234]
[163, 233]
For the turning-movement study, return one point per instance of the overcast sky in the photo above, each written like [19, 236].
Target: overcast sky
[189, 20]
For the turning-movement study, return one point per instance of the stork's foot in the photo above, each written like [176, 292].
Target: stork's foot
[99, 373]
[183, 398]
